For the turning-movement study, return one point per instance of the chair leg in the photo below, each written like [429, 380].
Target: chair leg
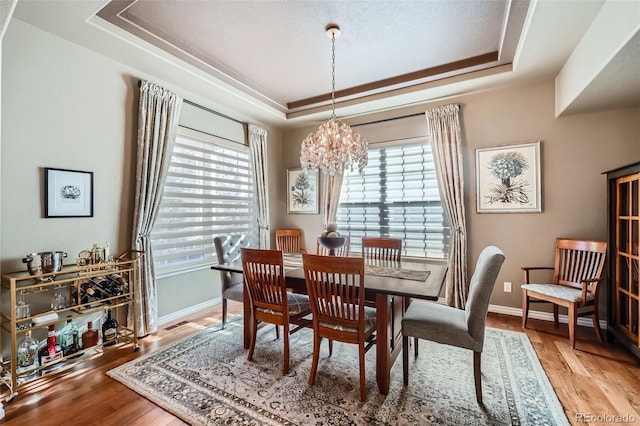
[596, 323]
[363, 385]
[572, 318]
[316, 354]
[277, 332]
[415, 347]
[556, 322]
[405, 360]
[477, 375]
[285, 332]
[330, 347]
[224, 313]
[525, 308]
[254, 334]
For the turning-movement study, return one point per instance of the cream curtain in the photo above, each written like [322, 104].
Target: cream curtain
[159, 111]
[331, 194]
[258, 147]
[444, 127]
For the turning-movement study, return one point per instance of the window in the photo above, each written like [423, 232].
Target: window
[396, 197]
[209, 192]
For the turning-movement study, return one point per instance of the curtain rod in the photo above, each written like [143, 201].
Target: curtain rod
[202, 107]
[388, 119]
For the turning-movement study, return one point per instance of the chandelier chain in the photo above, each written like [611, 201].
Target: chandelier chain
[335, 146]
[333, 75]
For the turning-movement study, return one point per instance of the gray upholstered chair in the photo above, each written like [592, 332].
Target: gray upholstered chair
[452, 326]
[228, 250]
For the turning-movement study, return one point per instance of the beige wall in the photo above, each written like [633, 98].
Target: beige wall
[575, 151]
[67, 107]
[48, 121]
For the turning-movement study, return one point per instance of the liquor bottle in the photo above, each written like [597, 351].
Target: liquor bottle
[96, 254]
[70, 338]
[28, 351]
[89, 337]
[52, 352]
[106, 253]
[110, 330]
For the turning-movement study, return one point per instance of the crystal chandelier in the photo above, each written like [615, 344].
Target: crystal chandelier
[335, 146]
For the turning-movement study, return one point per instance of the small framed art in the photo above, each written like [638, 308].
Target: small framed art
[302, 191]
[68, 193]
[508, 179]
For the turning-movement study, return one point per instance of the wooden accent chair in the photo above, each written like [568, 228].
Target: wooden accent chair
[289, 240]
[576, 275]
[228, 250]
[336, 291]
[342, 251]
[378, 248]
[452, 326]
[270, 302]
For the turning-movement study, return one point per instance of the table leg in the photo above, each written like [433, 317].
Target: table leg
[383, 368]
[389, 313]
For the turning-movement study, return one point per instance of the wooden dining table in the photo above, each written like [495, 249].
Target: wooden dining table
[389, 286]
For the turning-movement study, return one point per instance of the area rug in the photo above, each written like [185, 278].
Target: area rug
[206, 379]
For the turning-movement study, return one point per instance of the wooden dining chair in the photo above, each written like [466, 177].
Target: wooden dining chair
[289, 240]
[336, 291]
[577, 273]
[452, 326]
[378, 248]
[269, 299]
[342, 251]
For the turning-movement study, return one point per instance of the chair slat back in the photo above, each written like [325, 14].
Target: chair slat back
[336, 289]
[289, 240]
[578, 260]
[342, 251]
[264, 278]
[378, 248]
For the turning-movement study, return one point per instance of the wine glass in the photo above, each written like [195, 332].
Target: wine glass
[58, 300]
[23, 310]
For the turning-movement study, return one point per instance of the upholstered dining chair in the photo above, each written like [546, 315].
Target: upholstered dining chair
[452, 326]
[336, 291]
[379, 248]
[342, 251]
[269, 299]
[577, 272]
[228, 250]
[289, 240]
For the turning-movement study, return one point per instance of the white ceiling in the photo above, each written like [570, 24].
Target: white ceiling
[264, 59]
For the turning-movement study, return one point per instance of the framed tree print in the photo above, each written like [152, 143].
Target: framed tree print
[68, 193]
[508, 179]
[302, 191]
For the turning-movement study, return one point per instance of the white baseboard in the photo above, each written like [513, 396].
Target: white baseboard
[506, 310]
[545, 316]
[174, 316]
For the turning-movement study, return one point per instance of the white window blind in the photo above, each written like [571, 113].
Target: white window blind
[396, 197]
[209, 192]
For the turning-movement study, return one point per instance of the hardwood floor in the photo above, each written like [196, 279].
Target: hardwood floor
[595, 382]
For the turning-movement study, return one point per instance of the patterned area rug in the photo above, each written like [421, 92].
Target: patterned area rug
[206, 379]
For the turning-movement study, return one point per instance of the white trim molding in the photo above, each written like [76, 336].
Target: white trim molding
[497, 309]
[175, 316]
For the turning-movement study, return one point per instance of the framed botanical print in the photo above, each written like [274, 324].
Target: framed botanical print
[508, 179]
[302, 191]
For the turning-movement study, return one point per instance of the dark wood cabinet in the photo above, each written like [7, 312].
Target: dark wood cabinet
[624, 255]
